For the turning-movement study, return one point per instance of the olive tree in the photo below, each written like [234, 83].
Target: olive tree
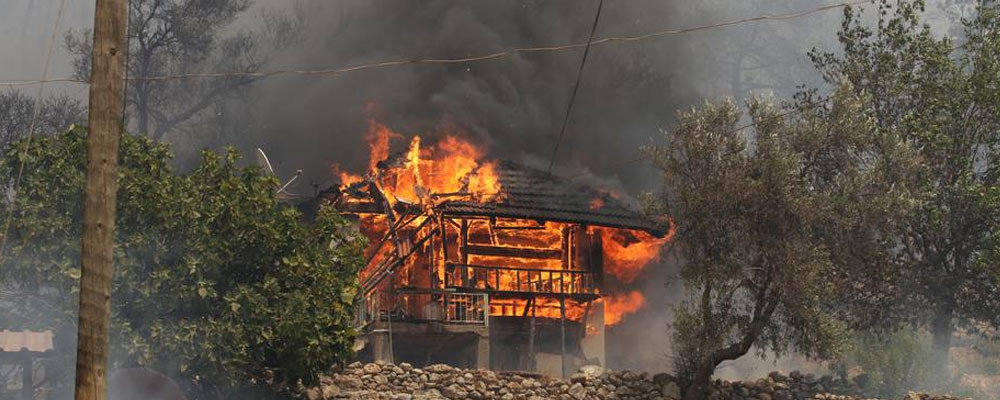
[942, 99]
[754, 209]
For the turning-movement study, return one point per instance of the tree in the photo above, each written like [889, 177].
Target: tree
[753, 212]
[737, 61]
[176, 37]
[943, 100]
[216, 283]
[17, 110]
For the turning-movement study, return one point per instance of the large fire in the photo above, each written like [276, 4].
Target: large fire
[453, 168]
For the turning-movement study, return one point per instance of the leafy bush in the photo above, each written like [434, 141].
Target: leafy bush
[215, 282]
[894, 363]
[903, 361]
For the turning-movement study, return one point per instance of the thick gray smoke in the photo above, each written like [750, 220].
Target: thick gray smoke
[513, 106]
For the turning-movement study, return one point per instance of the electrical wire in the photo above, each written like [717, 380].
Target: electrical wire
[36, 112]
[576, 88]
[484, 57]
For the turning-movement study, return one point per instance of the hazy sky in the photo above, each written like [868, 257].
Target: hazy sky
[25, 29]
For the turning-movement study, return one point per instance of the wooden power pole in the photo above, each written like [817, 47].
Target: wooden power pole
[107, 96]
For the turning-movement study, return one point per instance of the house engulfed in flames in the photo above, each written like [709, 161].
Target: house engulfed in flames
[486, 264]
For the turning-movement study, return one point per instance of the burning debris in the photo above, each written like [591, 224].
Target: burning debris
[487, 263]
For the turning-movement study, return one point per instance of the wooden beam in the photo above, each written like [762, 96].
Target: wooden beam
[464, 244]
[531, 339]
[444, 247]
[511, 251]
[566, 238]
[106, 123]
[463, 251]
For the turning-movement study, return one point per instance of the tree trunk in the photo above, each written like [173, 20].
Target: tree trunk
[942, 328]
[701, 383]
[105, 123]
[698, 389]
[142, 109]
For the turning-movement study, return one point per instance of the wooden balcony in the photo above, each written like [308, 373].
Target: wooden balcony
[515, 280]
[421, 305]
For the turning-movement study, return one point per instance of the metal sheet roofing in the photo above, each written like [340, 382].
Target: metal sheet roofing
[15, 341]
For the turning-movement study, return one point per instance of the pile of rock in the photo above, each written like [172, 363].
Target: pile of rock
[439, 381]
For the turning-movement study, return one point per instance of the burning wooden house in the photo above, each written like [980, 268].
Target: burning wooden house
[488, 264]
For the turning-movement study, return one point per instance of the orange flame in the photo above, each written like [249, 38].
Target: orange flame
[346, 178]
[628, 252]
[454, 167]
[378, 138]
[545, 307]
[616, 307]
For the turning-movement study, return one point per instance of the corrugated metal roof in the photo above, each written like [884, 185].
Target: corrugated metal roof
[15, 341]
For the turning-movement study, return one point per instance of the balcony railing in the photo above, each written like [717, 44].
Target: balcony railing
[519, 280]
[424, 305]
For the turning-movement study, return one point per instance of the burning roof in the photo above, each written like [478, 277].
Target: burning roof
[528, 193]
[532, 194]
[452, 177]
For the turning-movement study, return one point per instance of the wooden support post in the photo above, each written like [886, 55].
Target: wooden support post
[27, 378]
[444, 250]
[105, 122]
[464, 252]
[531, 339]
[562, 332]
[583, 321]
[566, 248]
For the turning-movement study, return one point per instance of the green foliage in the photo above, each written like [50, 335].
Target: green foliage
[214, 280]
[893, 364]
[754, 210]
[942, 99]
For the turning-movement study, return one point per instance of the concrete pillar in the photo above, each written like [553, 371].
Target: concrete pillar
[483, 351]
[381, 346]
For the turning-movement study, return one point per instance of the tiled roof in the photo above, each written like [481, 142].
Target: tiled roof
[15, 341]
[533, 194]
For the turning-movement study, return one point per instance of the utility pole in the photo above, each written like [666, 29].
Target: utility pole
[105, 120]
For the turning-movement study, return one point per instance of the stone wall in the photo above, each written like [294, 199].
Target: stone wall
[404, 382]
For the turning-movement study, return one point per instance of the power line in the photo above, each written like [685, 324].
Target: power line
[36, 112]
[484, 57]
[576, 87]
